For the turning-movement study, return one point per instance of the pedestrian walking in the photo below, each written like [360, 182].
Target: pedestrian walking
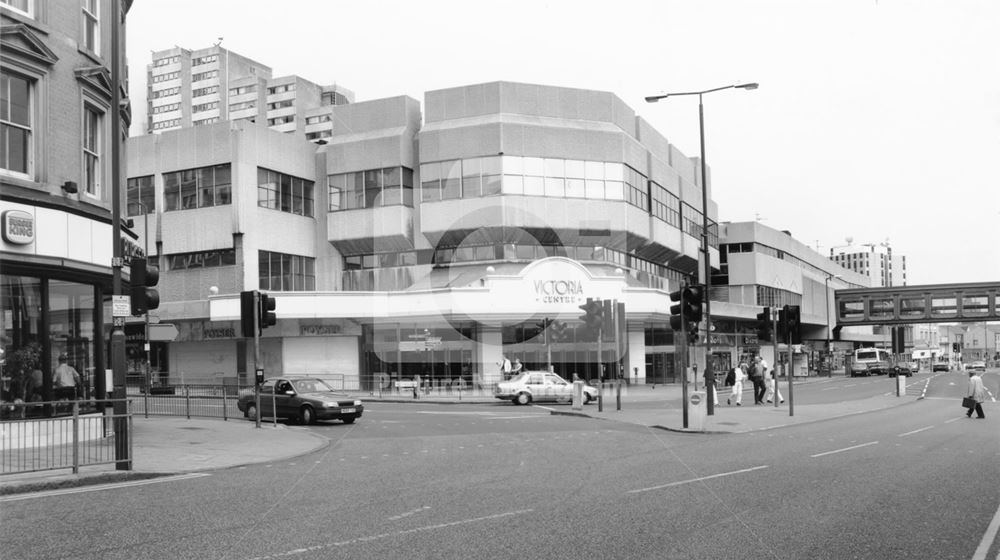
[978, 393]
[738, 375]
[757, 378]
[772, 383]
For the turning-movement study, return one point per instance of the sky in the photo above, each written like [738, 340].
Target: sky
[875, 120]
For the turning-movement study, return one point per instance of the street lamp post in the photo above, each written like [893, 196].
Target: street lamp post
[709, 373]
[826, 292]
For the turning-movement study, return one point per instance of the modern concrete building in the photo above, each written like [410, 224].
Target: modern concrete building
[877, 261]
[765, 267]
[203, 86]
[432, 245]
[56, 141]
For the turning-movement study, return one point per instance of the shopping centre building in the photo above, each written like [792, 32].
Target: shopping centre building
[436, 240]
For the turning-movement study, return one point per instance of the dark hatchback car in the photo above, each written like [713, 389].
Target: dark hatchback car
[302, 399]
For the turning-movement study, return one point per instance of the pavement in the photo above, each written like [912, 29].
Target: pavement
[174, 445]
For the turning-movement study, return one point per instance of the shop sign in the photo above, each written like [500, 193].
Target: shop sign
[225, 332]
[319, 330]
[18, 227]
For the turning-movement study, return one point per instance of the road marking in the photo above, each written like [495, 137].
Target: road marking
[678, 483]
[988, 537]
[844, 449]
[915, 431]
[300, 551]
[952, 420]
[98, 487]
[409, 513]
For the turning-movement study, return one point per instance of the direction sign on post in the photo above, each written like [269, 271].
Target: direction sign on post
[161, 331]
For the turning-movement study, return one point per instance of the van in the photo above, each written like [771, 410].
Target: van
[868, 361]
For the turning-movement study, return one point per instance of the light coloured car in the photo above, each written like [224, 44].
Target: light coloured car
[978, 366]
[540, 386]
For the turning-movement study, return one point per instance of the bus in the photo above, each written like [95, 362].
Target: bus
[868, 361]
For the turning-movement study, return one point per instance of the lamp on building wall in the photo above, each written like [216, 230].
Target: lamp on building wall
[70, 187]
[709, 374]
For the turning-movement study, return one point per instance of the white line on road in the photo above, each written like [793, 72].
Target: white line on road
[678, 483]
[915, 431]
[844, 449]
[988, 537]
[97, 487]
[358, 540]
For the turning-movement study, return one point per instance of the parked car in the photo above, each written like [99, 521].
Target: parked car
[978, 366]
[304, 399]
[940, 366]
[538, 386]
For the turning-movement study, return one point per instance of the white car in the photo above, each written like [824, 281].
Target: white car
[538, 386]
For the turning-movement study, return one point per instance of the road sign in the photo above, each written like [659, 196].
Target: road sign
[161, 331]
[121, 306]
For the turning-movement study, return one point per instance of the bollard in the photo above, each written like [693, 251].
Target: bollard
[577, 395]
[697, 410]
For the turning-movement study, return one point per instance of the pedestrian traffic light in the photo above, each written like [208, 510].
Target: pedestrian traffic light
[692, 333]
[267, 317]
[764, 325]
[793, 323]
[142, 278]
[248, 313]
[694, 297]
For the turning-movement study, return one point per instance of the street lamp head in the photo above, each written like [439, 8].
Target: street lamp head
[654, 98]
[751, 85]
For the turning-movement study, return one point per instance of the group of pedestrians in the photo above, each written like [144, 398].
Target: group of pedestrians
[756, 371]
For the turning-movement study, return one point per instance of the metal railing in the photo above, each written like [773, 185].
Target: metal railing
[67, 441]
[205, 401]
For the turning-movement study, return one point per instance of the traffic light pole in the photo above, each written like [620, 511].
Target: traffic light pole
[791, 400]
[123, 459]
[775, 312]
[256, 354]
[687, 358]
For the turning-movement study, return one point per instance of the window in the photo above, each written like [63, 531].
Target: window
[204, 59]
[16, 144]
[204, 107]
[280, 89]
[140, 196]
[91, 26]
[278, 191]
[204, 91]
[390, 186]
[157, 78]
[281, 105]
[666, 206]
[209, 120]
[166, 61]
[318, 119]
[92, 150]
[166, 92]
[286, 273]
[166, 108]
[197, 188]
[26, 7]
[166, 124]
[281, 120]
[242, 89]
[204, 75]
[243, 105]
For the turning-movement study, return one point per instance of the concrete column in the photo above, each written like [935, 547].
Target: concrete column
[491, 346]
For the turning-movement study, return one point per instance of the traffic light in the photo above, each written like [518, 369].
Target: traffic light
[694, 297]
[793, 323]
[142, 278]
[593, 315]
[248, 311]
[676, 319]
[692, 333]
[267, 317]
[608, 319]
[764, 325]
[782, 333]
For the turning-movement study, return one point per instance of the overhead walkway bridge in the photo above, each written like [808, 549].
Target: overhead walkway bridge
[906, 305]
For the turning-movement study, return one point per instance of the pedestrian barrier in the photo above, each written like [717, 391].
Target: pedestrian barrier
[69, 441]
